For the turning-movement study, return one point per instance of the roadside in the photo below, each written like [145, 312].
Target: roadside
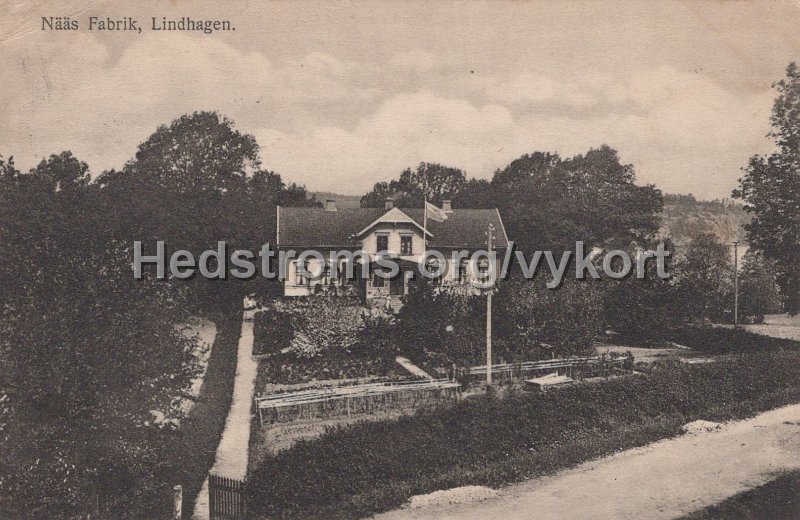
[666, 479]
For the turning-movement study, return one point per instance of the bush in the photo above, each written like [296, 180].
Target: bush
[720, 340]
[371, 467]
[323, 324]
[273, 331]
[534, 322]
[446, 323]
[329, 337]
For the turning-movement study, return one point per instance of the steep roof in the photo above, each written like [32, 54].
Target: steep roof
[316, 227]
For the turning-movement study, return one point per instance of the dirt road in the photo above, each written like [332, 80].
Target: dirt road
[663, 480]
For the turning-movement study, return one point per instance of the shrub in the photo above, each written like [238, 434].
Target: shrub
[534, 322]
[273, 331]
[324, 324]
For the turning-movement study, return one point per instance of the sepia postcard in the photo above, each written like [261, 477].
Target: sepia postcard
[400, 260]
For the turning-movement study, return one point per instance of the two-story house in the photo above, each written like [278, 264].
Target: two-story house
[375, 230]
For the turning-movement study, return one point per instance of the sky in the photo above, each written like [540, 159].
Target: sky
[341, 95]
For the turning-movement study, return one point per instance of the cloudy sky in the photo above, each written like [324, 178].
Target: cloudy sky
[343, 94]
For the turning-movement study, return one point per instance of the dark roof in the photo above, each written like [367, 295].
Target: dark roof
[315, 227]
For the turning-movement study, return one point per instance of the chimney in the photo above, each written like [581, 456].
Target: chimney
[330, 205]
[388, 204]
[447, 206]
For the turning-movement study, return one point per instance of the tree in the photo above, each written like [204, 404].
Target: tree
[759, 293]
[86, 351]
[770, 188]
[705, 279]
[534, 322]
[548, 202]
[193, 183]
[430, 181]
[645, 310]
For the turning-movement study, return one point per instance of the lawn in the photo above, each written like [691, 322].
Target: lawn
[367, 468]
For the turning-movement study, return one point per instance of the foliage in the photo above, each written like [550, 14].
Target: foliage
[430, 181]
[777, 498]
[371, 467]
[534, 322]
[643, 311]
[547, 203]
[770, 188]
[325, 325]
[87, 350]
[273, 331]
[721, 340]
[705, 279]
[759, 293]
[447, 323]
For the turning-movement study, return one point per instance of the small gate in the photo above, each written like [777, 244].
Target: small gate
[226, 498]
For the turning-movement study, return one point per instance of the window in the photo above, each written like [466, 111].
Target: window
[383, 243]
[377, 280]
[433, 267]
[406, 245]
[463, 270]
[298, 274]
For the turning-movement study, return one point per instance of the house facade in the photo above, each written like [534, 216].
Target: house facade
[374, 231]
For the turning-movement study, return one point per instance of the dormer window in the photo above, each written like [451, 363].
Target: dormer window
[406, 245]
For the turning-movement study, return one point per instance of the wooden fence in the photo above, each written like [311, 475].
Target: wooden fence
[226, 498]
[366, 398]
[511, 370]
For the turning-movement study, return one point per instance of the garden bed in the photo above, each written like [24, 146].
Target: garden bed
[367, 468]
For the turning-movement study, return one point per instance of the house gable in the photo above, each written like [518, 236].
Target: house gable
[393, 216]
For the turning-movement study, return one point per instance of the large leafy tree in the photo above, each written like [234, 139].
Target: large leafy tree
[770, 188]
[548, 202]
[193, 183]
[85, 350]
[759, 293]
[704, 277]
[429, 181]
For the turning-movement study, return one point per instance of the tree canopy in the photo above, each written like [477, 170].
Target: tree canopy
[429, 181]
[770, 188]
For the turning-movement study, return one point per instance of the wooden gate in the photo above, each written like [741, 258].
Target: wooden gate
[226, 498]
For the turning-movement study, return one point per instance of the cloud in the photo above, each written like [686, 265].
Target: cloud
[681, 131]
[414, 60]
[341, 125]
[526, 88]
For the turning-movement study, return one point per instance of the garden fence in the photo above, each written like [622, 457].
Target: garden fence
[366, 398]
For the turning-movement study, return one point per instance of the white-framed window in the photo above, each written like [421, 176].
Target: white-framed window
[406, 244]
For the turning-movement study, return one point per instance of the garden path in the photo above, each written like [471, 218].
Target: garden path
[232, 452]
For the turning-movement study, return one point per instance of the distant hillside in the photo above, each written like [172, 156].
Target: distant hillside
[684, 216]
[342, 201]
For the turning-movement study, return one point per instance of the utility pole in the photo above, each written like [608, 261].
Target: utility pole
[489, 244]
[735, 284]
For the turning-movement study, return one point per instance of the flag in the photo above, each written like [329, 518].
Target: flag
[435, 213]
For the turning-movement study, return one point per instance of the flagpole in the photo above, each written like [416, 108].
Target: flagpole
[425, 226]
